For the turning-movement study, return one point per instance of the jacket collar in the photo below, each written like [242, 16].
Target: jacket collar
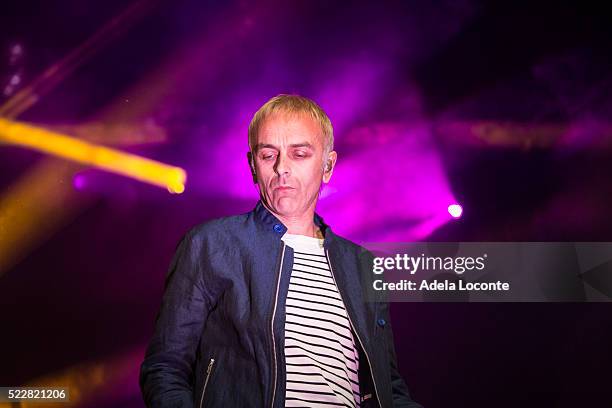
[271, 223]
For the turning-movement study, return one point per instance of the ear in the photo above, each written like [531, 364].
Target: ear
[252, 167]
[332, 157]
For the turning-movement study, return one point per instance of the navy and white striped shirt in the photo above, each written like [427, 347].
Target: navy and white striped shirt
[321, 357]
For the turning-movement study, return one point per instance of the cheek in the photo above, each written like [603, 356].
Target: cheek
[264, 171]
[310, 176]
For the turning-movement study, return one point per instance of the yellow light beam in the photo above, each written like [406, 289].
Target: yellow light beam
[130, 165]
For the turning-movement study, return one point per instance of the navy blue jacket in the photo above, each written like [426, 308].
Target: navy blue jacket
[219, 334]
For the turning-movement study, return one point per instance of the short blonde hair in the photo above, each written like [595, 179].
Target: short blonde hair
[293, 104]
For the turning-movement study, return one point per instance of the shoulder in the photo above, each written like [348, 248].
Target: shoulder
[351, 247]
[220, 228]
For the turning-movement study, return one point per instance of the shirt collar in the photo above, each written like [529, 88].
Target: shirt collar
[271, 223]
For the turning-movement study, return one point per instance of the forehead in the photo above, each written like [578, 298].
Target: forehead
[289, 128]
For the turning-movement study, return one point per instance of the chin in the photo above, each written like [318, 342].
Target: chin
[286, 205]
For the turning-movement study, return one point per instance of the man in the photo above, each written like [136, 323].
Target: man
[267, 309]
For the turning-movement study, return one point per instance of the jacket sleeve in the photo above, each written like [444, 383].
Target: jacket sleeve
[166, 376]
[401, 395]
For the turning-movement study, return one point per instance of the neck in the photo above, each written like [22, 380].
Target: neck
[302, 224]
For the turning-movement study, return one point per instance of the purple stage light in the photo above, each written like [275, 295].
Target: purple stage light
[79, 182]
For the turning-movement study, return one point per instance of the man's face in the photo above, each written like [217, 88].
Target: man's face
[288, 159]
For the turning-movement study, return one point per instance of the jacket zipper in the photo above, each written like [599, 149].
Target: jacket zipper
[353, 326]
[280, 267]
[208, 370]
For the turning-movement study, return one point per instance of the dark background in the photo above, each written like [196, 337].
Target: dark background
[82, 284]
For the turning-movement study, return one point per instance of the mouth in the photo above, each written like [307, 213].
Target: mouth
[283, 188]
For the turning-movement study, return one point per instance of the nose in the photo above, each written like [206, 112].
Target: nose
[281, 167]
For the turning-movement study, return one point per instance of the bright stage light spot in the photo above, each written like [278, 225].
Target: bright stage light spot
[455, 210]
[177, 188]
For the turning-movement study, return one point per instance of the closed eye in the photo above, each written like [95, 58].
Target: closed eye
[301, 154]
[267, 156]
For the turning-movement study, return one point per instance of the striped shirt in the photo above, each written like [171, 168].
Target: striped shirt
[321, 357]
